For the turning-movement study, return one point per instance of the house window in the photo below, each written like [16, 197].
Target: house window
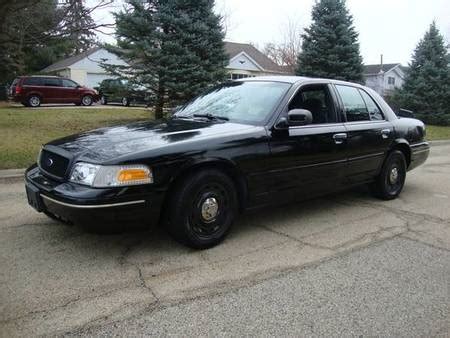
[239, 76]
[391, 80]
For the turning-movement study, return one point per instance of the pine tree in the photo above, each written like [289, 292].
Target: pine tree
[173, 47]
[426, 89]
[330, 46]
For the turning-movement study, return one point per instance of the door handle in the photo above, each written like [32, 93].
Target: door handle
[339, 138]
[385, 133]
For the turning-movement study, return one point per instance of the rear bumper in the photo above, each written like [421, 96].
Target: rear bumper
[419, 154]
[84, 205]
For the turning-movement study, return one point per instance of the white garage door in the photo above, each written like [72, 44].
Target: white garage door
[93, 79]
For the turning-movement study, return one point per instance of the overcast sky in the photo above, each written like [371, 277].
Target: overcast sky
[388, 27]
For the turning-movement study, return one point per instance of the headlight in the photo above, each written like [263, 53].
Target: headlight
[110, 176]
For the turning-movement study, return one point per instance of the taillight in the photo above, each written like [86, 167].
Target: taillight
[18, 89]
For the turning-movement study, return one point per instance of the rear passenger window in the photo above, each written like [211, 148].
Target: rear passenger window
[374, 112]
[32, 81]
[52, 82]
[354, 105]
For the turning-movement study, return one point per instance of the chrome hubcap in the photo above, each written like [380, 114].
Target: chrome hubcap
[393, 176]
[210, 208]
[86, 100]
[124, 101]
[34, 101]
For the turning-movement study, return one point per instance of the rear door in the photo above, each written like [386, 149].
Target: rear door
[369, 134]
[309, 159]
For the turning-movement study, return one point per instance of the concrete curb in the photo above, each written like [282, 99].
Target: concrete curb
[9, 174]
[439, 143]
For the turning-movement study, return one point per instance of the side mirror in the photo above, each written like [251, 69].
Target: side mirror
[299, 117]
[405, 113]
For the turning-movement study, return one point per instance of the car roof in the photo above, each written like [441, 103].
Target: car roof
[297, 79]
[52, 76]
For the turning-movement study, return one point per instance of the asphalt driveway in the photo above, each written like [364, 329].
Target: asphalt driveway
[346, 264]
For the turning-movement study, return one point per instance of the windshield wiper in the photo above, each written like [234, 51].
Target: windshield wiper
[210, 116]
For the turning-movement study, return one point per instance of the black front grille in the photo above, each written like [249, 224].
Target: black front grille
[53, 164]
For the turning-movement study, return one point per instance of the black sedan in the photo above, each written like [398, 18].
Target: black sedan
[241, 145]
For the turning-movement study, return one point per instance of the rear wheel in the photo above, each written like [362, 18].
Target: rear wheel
[86, 100]
[202, 209]
[391, 180]
[33, 101]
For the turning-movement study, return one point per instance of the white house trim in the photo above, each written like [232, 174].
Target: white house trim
[248, 57]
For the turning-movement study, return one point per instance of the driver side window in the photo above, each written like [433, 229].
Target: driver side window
[316, 99]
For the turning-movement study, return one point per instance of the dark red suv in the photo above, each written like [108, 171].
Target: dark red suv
[31, 91]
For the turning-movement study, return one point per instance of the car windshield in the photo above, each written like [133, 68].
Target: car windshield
[245, 102]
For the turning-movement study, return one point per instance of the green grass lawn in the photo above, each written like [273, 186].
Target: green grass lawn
[23, 130]
[438, 133]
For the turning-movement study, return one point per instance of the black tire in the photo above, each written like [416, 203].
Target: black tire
[87, 100]
[202, 209]
[391, 179]
[125, 102]
[33, 101]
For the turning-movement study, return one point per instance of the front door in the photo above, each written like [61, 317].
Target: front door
[70, 91]
[52, 90]
[369, 134]
[309, 159]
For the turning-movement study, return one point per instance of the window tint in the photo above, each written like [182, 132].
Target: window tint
[354, 105]
[317, 100]
[52, 82]
[69, 83]
[32, 81]
[374, 112]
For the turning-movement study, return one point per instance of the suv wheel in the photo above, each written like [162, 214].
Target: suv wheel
[202, 209]
[103, 100]
[391, 180]
[125, 102]
[86, 100]
[33, 101]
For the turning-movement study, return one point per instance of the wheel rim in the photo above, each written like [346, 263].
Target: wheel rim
[103, 100]
[124, 101]
[395, 178]
[208, 211]
[34, 101]
[87, 100]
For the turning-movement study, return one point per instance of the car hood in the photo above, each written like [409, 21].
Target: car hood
[113, 142]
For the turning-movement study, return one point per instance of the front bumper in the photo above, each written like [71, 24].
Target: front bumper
[85, 205]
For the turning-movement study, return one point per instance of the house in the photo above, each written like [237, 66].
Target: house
[247, 61]
[85, 68]
[384, 78]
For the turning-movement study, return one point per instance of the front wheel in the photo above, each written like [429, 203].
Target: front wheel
[391, 179]
[202, 209]
[87, 100]
[103, 100]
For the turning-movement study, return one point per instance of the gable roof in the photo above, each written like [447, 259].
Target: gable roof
[233, 49]
[375, 69]
[65, 63]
